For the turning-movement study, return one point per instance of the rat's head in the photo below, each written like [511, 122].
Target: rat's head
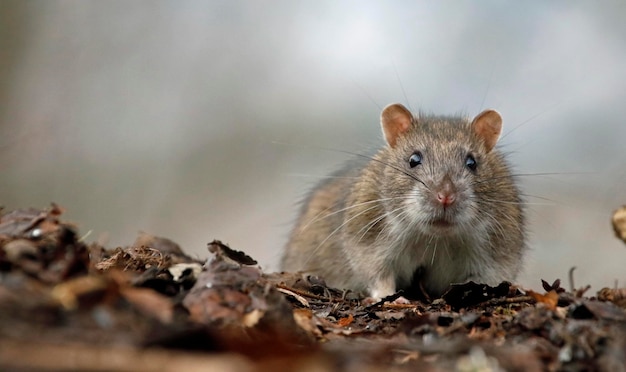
[440, 169]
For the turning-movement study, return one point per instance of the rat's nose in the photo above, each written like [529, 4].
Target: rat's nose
[446, 192]
[446, 198]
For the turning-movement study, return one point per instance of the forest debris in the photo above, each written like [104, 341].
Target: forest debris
[599, 310]
[614, 295]
[160, 244]
[36, 243]
[619, 223]
[30, 223]
[56, 297]
[555, 286]
[293, 294]
[150, 303]
[231, 292]
[550, 299]
[40, 356]
[305, 320]
[135, 258]
[344, 322]
[577, 292]
[477, 360]
[471, 293]
[145, 253]
[208, 303]
[185, 271]
[224, 252]
[390, 314]
[85, 288]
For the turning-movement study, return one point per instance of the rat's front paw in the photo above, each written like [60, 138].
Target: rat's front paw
[395, 299]
[383, 287]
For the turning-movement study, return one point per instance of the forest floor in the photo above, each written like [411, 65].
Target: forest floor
[66, 305]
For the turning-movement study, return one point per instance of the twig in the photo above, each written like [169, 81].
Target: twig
[571, 279]
[507, 301]
[304, 293]
[300, 299]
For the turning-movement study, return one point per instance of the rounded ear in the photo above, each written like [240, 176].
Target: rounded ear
[395, 120]
[488, 125]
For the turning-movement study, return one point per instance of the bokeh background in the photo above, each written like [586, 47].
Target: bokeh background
[198, 120]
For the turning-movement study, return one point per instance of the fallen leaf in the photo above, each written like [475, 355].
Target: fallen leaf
[150, 303]
[252, 318]
[70, 292]
[299, 298]
[550, 299]
[619, 223]
[344, 322]
[472, 293]
[162, 245]
[304, 319]
[614, 295]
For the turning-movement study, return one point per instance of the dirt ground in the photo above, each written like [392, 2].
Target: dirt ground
[66, 305]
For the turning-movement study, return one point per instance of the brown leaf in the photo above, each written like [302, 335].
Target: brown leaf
[550, 299]
[20, 249]
[600, 310]
[344, 322]
[619, 223]
[84, 290]
[390, 314]
[150, 303]
[299, 298]
[471, 293]
[30, 222]
[614, 295]
[305, 319]
[162, 245]
[222, 304]
[134, 259]
[223, 251]
[556, 285]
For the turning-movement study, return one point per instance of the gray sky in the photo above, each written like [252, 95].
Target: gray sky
[209, 119]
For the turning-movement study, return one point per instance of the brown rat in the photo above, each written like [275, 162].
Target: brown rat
[438, 198]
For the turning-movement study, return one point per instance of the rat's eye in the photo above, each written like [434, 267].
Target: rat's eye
[470, 162]
[415, 159]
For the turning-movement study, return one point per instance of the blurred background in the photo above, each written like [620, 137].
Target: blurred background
[197, 120]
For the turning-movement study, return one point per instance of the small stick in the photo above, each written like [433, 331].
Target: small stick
[303, 293]
[571, 279]
[507, 301]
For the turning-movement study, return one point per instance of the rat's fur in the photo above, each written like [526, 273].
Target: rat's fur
[376, 222]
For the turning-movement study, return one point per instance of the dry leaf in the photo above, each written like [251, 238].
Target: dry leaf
[615, 295]
[550, 299]
[304, 319]
[344, 322]
[619, 223]
[150, 303]
[69, 293]
[299, 298]
[252, 318]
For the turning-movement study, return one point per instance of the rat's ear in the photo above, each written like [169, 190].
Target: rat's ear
[395, 120]
[488, 125]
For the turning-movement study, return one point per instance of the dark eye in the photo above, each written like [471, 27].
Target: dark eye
[415, 159]
[470, 162]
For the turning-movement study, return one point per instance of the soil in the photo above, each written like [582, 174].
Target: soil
[67, 305]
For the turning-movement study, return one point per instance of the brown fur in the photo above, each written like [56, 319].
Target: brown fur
[345, 235]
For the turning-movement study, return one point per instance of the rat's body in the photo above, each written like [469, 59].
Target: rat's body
[438, 198]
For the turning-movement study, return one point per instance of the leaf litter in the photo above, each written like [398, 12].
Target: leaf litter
[66, 305]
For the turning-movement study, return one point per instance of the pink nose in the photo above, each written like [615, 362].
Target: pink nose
[445, 198]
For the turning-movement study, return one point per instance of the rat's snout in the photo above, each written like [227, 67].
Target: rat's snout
[446, 192]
